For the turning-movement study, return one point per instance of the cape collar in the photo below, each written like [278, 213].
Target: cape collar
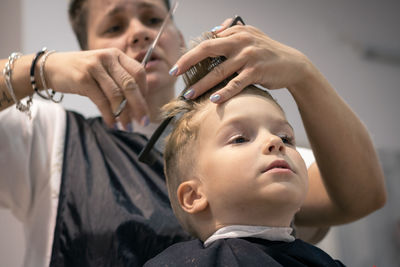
[264, 232]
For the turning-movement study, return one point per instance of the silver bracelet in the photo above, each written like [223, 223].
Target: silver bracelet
[51, 94]
[7, 73]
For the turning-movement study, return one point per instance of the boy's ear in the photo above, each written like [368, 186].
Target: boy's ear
[191, 197]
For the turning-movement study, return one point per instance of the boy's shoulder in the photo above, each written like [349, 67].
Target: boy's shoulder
[243, 252]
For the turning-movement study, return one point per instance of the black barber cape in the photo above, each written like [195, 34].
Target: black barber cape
[112, 210]
[244, 252]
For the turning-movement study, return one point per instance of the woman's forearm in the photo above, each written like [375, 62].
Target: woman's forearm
[353, 183]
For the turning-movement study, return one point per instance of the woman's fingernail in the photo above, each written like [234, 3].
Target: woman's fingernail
[174, 70]
[188, 94]
[216, 28]
[215, 98]
[145, 120]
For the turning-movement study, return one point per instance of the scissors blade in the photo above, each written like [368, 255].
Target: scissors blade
[153, 45]
[150, 51]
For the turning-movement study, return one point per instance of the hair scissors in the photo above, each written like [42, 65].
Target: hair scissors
[145, 155]
[149, 52]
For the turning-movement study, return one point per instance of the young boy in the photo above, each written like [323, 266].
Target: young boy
[235, 181]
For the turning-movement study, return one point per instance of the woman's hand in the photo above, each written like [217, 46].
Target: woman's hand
[106, 76]
[253, 55]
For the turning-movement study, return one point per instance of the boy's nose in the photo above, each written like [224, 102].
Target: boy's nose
[274, 144]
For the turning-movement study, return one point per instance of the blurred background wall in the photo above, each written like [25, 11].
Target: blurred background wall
[356, 44]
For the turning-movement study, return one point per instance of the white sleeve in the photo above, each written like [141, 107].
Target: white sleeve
[307, 155]
[27, 155]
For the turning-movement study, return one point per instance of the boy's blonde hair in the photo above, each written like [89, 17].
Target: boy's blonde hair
[181, 143]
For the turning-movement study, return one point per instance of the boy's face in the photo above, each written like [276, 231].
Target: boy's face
[131, 26]
[248, 165]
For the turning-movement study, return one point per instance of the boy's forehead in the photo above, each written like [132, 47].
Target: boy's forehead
[248, 103]
[239, 107]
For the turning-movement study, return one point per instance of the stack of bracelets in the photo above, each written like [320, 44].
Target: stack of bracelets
[7, 72]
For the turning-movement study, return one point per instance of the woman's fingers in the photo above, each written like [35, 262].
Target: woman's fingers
[255, 56]
[101, 101]
[222, 27]
[106, 76]
[215, 76]
[119, 84]
[136, 106]
[208, 48]
[136, 91]
[234, 87]
[232, 42]
[234, 46]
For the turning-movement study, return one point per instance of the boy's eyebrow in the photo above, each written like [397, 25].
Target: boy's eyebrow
[240, 119]
[237, 120]
[284, 122]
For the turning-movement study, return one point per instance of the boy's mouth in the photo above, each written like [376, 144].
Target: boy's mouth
[278, 164]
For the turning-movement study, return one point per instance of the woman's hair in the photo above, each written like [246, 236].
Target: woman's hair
[181, 143]
[78, 17]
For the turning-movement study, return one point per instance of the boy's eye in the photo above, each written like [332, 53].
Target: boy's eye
[287, 139]
[238, 140]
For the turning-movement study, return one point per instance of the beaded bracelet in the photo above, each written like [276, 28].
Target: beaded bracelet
[32, 73]
[50, 95]
[7, 73]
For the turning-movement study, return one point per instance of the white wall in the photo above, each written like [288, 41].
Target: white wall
[332, 33]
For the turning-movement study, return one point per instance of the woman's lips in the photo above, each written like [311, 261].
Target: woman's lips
[152, 62]
[139, 57]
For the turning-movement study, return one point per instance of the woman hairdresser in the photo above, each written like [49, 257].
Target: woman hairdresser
[76, 183]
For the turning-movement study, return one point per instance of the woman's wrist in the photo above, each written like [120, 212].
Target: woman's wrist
[17, 81]
[21, 77]
[311, 85]
[7, 76]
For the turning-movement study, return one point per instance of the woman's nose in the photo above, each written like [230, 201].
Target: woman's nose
[139, 34]
[137, 39]
[274, 144]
